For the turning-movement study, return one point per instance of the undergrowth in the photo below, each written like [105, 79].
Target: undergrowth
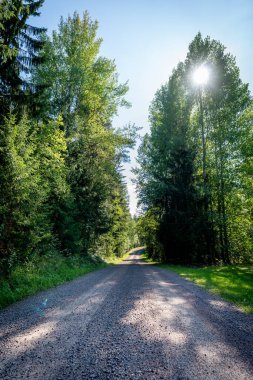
[44, 272]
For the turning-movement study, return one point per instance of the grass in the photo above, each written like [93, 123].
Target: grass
[46, 272]
[43, 273]
[113, 260]
[233, 283]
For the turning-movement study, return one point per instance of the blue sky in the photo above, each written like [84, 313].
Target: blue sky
[147, 38]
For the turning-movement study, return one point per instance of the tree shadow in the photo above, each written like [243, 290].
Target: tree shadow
[151, 324]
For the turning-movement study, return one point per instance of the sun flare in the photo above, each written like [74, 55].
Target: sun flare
[201, 75]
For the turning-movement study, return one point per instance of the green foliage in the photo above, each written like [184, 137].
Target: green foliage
[114, 260]
[61, 186]
[20, 49]
[32, 173]
[117, 238]
[79, 82]
[147, 228]
[83, 87]
[44, 272]
[195, 165]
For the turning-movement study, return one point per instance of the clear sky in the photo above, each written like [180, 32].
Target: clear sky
[147, 38]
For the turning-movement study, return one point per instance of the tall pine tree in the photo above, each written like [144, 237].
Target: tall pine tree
[20, 47]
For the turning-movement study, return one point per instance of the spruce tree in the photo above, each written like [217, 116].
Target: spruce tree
[20, 48]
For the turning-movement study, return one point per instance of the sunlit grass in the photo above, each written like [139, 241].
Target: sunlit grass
[232, 283]
[113, 260]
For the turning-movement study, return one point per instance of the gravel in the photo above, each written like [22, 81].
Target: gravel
[130, 321]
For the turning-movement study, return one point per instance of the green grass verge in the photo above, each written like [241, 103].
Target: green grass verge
[232, 283]
[48, 271]
[114, 260]
[43, 273]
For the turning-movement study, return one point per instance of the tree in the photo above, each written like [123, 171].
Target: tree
[33, 172]
[79, 82]
[83, 87]
[20, 48]
[61, 183]
[166, 173]
[191, 163]
[147, 230]
[224, 98]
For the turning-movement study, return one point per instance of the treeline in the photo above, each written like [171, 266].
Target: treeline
[195, 170]
[61, 183]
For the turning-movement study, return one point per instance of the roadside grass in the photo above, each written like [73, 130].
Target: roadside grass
[113, 260]
[43, 273]
[233, 283]
[48, 271]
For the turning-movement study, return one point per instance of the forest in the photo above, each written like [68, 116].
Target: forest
[62, 188]
[195, 170]
[126, 190]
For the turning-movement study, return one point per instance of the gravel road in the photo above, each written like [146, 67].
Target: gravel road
[130, 321]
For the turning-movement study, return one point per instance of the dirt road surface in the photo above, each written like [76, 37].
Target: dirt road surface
[130, 321]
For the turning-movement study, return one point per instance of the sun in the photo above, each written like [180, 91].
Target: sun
[201, 75]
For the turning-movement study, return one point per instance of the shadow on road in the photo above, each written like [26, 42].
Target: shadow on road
[137, 321]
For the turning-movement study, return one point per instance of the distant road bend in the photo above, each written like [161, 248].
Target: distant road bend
[130, 321]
